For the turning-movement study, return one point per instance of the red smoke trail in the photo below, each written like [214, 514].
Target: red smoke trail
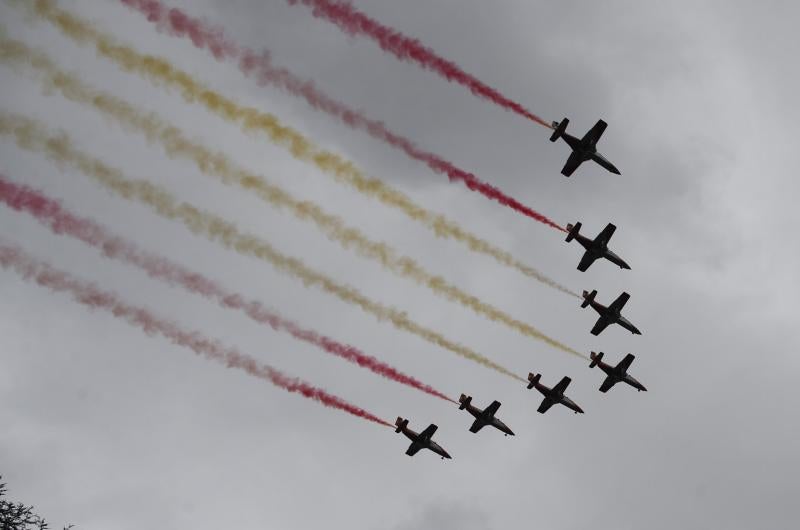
[259, 66]
[89, 295]
[354, 22]
[50, 212]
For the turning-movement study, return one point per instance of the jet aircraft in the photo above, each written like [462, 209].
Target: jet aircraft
[483, 417]
[553, 395]
[420, 440]
[615, 374]
[583, 149]
[610, 314]
[596, 248]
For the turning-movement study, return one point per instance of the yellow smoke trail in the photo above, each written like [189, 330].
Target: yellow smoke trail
[163, 73]
[176, 144]
[31, 136]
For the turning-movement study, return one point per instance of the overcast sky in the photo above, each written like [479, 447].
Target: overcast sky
[110, 429]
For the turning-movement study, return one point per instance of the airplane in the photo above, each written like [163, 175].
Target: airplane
[596, 248]
[582, 149]
[615, 374]
[553, 395]
[610, 314]
[420, 440]
[483, 417]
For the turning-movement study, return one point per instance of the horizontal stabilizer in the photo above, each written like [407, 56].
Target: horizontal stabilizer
[464, 401]
[588, 298]
[401, 424]
[560, 127]
[533, 380]
[596, 358]
[573, 231]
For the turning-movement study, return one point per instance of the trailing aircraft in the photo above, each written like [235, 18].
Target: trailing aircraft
[420, 440]
[553, 395]
[615, 374]
[583, 149]
[483, 417]
[610, 314]
[595, 248]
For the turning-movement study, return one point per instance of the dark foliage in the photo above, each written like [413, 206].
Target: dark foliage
[18, 516]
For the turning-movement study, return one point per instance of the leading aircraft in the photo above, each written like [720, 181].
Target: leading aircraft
[582, 149]
[553, 395]
[615, 374]
[483, 417]
[420, 440]
[610, 314]
[595, 248]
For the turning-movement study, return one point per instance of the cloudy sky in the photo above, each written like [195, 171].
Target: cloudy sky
[108, 428]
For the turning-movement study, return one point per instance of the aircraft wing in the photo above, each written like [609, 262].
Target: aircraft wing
[595, 132]
[477, 425]
[626, 362]
[491, 410]
[546, 404]
[562, 385]
[575, 159]
[607, 384]
[427, 434]
[413, 449]
[600, 325]
[606, 234]
[620, 302]
[586, 261]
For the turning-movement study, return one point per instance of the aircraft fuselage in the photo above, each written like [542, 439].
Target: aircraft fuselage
[598, 249]
[557, 397]
[620, 375]
[489, 419]
[424, 443]
[614, 317]
[587, 150]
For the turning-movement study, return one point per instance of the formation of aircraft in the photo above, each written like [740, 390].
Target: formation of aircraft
[483, 417]
[609, 315]
[553, 395]
[583, 149]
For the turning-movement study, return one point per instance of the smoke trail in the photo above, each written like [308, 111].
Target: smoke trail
[355, 23]
[259, 65]
[163, 73]
[32, 137]
[12, 258]
[51, 213]
[176, 144]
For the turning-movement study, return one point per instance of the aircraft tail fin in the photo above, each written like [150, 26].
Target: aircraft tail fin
[401, 424]
[533, 378]
[595, 357]
[588, 298]
[464, 401]
[559, 127]
[573, 231]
